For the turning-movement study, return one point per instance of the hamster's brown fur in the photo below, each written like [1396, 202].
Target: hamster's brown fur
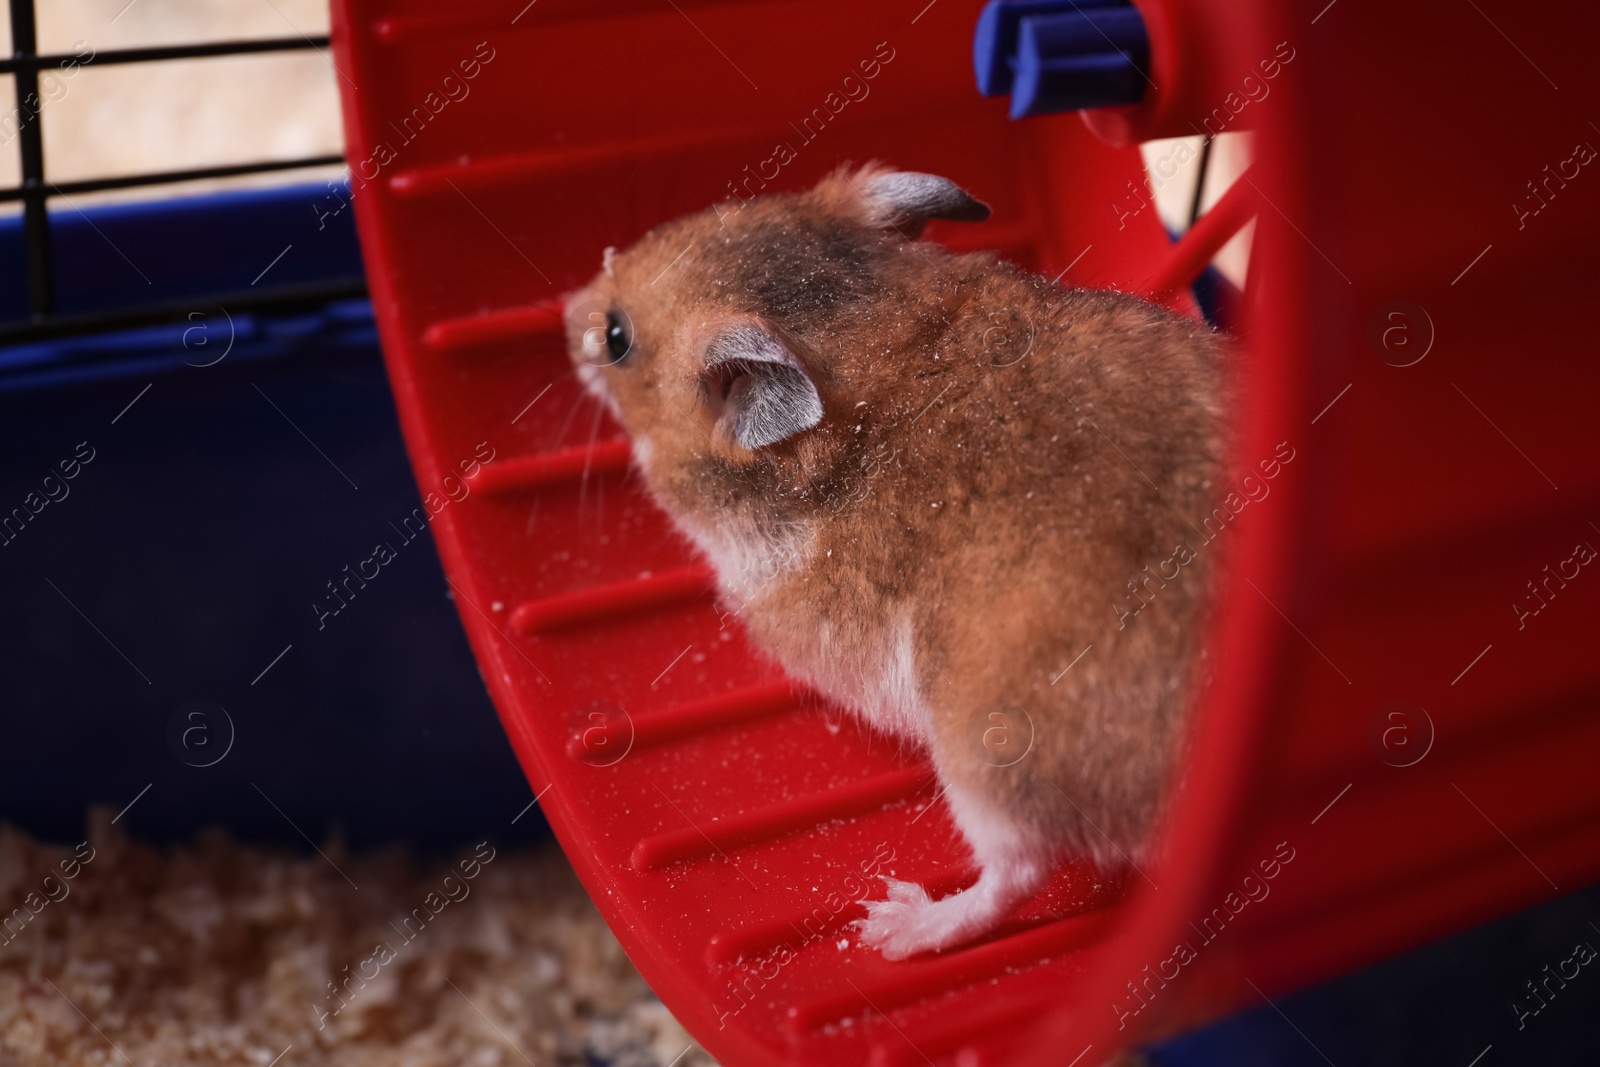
[1000, 474]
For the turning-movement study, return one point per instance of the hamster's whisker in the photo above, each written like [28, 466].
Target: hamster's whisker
[578, 398]
[588, 456]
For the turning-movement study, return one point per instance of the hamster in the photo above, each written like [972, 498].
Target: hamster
[949, 495]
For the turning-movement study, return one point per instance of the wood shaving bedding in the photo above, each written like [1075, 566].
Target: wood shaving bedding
[113, 952]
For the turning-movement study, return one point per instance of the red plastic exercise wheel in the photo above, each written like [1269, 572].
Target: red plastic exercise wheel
[726, 825]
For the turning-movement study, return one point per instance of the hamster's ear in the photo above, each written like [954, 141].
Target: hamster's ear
[906, 200]
[758, 391]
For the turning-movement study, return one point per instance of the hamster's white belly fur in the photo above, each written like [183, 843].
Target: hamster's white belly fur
[878, 683]
[873, 673]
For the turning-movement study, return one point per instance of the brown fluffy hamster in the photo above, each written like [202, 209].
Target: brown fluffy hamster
[945, 493]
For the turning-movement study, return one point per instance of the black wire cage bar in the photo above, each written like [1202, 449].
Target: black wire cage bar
[36, 190]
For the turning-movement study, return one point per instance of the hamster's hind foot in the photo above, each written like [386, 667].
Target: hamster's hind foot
[909, 921]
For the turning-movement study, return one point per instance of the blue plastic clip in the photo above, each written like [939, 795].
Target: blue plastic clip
[1061, 55]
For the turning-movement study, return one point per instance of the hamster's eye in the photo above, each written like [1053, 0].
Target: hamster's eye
[618, 341]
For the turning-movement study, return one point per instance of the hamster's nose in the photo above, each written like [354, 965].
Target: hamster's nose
[594, 339]
[576, 310]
